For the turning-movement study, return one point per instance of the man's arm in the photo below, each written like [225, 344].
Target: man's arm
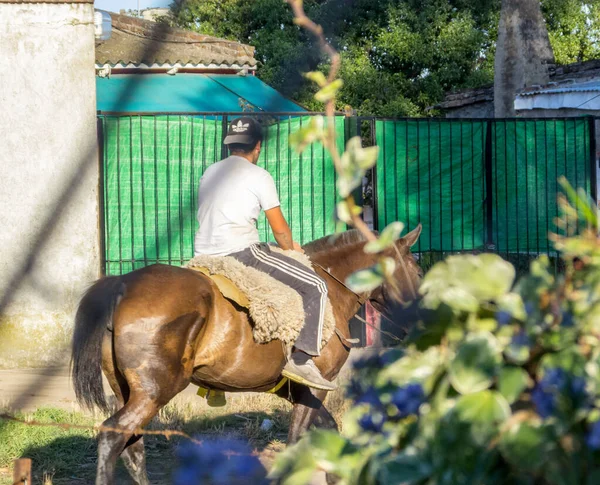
[281, 230]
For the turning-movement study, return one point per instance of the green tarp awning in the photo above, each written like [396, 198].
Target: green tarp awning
[206, 93]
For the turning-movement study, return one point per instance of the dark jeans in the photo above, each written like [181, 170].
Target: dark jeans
[306, 282]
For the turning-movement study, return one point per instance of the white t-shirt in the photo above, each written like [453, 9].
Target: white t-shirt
[231, 194]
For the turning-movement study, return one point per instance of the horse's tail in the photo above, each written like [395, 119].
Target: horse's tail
[94, 316]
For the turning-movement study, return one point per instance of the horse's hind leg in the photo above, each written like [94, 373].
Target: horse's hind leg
[134, 458]
[117, 431]
[134, 455]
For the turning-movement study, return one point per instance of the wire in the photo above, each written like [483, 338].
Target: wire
[383, 332]
[591, 99]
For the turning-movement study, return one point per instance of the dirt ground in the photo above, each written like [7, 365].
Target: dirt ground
[31, 389]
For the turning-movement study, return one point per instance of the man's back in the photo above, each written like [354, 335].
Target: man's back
[231, 194]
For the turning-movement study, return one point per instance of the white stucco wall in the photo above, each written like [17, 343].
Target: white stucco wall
[47, 133]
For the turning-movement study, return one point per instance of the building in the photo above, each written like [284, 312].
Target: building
[570, 92]
[149, 67]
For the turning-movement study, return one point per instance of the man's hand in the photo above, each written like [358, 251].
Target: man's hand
[298, 248]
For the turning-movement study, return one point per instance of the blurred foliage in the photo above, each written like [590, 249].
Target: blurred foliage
[497, 383]
[398, 56]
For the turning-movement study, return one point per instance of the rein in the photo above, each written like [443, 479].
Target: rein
[360, 299]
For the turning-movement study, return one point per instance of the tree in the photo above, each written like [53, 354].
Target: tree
[398, 56]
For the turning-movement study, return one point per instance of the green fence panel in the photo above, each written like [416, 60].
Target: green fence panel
[432, 172]
[151, 169]
[152, 166]
[528, 157]
[305, 183]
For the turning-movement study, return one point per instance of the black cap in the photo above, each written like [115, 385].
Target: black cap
[245, 131]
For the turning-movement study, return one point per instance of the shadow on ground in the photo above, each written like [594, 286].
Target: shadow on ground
[71, 459]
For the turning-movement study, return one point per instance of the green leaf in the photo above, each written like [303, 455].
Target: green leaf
[474, 367]
[329, 91]
[334, 453]
[343, 211]
[414, 367]
[365, 280]
[580, 201]
[386, 239]
[302, 476]
[294, 464]
[569, 359]
[486, 276]
[370, 278]
[512, 303]
[463, 281]
[483, 407]
[525, 446]
[518, 354]
[403, 469]
[349, 178]
[317, 77]
[459, 299]
[306, 135]
[512, 381]
[353, 164]
[357, 156]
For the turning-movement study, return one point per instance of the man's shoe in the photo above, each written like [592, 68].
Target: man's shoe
[307, 374]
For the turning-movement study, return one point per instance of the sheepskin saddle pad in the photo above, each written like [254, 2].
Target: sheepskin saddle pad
[275, 308]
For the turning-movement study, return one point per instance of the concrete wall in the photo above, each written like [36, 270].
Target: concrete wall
[48, 175]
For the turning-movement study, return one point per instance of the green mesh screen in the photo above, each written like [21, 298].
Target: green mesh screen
[528, 158]
[432, 172]
[152, 166]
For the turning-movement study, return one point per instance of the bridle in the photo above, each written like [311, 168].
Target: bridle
[359, 298]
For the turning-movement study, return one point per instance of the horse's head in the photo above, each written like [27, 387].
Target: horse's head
[406, 279]
[344, 254]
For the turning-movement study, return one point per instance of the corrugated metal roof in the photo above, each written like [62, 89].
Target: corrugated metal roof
[590, 86]
[161, 93]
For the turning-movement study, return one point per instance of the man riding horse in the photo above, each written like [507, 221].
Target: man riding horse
[231, 195]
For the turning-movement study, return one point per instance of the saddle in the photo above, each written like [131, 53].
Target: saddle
[227, 287]
[275, 309]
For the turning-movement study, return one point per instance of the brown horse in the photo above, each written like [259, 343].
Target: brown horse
[157, 329]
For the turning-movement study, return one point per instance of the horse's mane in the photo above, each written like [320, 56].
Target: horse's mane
[335, 241]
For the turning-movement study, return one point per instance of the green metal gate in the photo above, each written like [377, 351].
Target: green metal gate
[480, 184]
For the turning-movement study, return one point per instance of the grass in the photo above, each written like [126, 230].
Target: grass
[54, 451]
[62, 456]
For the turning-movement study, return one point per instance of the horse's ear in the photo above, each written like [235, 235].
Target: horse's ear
[412, 237]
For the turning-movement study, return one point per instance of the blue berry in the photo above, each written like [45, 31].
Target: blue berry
[503, 317]
[521, 340]
[219, 462]
[370, 362]
[544, 401]
[567, 320]
[355, 388]
[555, 377]
[370, 397]
[593, 437]
[529, 307]
[408, 399]
[371, 424]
